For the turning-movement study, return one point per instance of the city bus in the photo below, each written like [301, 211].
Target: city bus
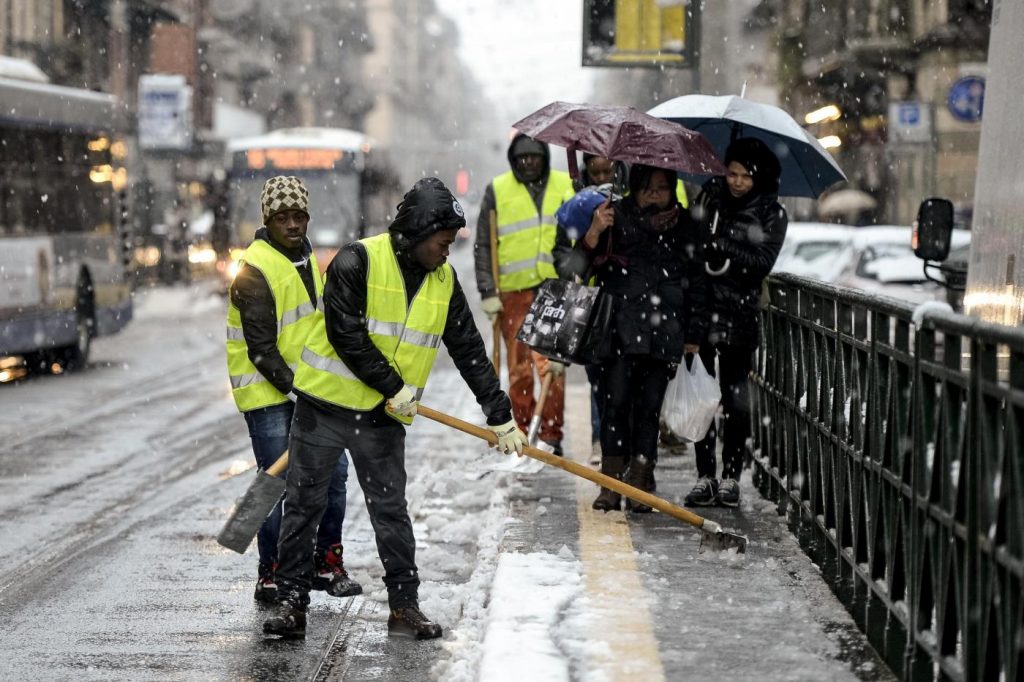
[352, 188]
[63, 224]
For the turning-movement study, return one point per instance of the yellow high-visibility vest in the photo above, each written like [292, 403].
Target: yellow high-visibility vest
[681, 194]
[407, 335]
[250, 389]
[526, 237]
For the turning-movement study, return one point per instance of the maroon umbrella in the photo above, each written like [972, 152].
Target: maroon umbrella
[621, 134]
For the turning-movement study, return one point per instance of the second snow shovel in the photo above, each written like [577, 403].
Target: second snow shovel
[545, 386]
[712, 535]
[253, 507]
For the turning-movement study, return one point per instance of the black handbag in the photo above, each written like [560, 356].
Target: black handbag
[567, 322]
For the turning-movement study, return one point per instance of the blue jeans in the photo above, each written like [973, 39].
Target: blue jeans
[269, 428]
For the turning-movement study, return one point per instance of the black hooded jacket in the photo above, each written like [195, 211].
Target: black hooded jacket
[749, 234]
[251, 294]
[655, 280]
[345, 296]
[482, 248]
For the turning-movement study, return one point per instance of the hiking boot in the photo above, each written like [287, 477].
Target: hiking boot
[729, 493]
[640, 474]
[704, 493]
[552, 446]
[607, 500]
[409, 621]
[288, 622]
[331, 576]
[266, 588]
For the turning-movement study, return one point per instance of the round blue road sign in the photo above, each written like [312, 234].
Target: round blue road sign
[967, 99]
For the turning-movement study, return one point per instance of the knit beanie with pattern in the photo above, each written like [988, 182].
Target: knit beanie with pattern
[283, 193]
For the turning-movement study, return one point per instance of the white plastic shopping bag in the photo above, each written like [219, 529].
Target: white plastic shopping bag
[691, 401]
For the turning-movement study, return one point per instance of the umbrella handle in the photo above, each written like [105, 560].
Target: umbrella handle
[720, 271]
[574, 168]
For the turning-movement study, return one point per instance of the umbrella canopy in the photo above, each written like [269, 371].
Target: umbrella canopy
[807, 169]
[621, 134]
[846, 201]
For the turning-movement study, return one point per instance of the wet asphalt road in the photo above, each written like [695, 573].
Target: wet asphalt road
[115, 482]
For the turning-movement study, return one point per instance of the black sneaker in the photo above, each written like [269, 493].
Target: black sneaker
[553, 446]
[331, 576]
[703, 494]
[729, 493]
[288, 622]
[266, 588]
[409, 621]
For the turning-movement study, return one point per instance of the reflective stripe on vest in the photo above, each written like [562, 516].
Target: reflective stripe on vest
[294, 312]
[408, 336]
[526, 238]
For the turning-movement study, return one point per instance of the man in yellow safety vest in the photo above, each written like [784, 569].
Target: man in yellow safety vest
[523, 202]
[270, 314]
[389, 303]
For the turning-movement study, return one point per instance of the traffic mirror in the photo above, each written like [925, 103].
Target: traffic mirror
[933, 229]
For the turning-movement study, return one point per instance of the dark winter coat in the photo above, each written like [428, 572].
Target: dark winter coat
[655, 282]
[345, 316]
[251, 294]
[485, 283]
[749, 235]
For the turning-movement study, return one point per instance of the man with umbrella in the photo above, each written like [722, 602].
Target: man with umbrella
[520, 205]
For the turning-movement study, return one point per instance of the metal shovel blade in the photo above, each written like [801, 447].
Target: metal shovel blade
[251, 509]
[714, 538]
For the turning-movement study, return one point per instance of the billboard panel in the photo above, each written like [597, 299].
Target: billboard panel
[645, 33]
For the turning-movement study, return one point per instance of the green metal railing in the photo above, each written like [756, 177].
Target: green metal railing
[897, 453]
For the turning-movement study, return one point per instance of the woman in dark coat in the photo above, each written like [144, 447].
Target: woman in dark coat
[642, 250]
[743, 226]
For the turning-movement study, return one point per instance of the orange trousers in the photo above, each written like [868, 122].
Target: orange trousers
[521, 363]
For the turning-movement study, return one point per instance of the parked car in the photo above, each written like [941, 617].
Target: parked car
[878, 258]
[817, 250]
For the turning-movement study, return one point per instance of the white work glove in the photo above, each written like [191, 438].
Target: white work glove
[491, 306]
[403, 403]
[510, 438]
[556, 369]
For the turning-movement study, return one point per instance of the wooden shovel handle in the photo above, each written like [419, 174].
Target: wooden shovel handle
[496, 351]
[570, 466]
[545, 387]
[280, 465]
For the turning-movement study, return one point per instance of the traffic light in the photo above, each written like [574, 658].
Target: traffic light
[652, 33]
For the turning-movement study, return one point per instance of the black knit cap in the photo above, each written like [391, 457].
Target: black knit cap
[758, 159]
[425, 209]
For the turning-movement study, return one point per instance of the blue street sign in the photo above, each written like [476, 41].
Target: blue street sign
[967, 99]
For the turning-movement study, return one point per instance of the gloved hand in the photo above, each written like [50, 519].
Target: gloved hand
[491, 306]
[510, 438]
[402, 403]
[556, 369]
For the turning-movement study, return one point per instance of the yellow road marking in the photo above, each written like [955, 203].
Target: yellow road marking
[617, 598]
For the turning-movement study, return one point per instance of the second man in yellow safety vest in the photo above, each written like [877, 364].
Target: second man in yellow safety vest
[389, 303]
[270, 314]
[523, 202]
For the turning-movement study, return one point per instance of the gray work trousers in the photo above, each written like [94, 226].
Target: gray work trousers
[319, 436]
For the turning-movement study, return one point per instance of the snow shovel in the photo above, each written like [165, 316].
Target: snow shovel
[253, 507]
[496, 324]
[545, 386]
[712, 535]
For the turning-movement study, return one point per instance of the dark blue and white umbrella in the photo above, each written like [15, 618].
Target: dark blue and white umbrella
[807, 169]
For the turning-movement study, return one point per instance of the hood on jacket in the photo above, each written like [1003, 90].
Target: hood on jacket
[544, 149]
[760, 162]
[427, 208]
